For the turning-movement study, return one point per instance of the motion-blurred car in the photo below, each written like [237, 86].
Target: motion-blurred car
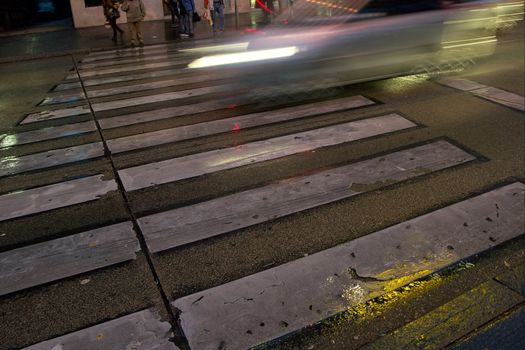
[318, 44]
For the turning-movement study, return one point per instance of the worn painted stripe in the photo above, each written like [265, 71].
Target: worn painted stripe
[122, 51]
[133, 60]
[141, 330]
[287, 298]
[501, 97]
[203, 220]
[101, 72]
[117, 79]
[460, 84]
[163, 113]
[67, 86]
[16, 165]
[63, 194]
[462, 315]
[117, 90]
[161, 53]
[111, 54]
[168, 96]
[62, 99]
[55, 114]
[208, 162]
[127, 52]
[128, 143]
[128, 102]
[112, 57]
[50, 133]
[179, 49]
[493, 94]
[64, 257]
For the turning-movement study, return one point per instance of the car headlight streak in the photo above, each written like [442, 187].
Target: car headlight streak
[242, 57]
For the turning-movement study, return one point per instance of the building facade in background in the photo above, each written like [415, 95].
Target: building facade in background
[87, 13]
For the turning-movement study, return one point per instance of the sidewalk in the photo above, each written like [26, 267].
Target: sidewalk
[42, 43]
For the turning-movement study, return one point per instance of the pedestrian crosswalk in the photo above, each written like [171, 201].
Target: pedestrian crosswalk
[189, 224]
[128, 143]
[175, 169]
[129, 88]
[271, 303]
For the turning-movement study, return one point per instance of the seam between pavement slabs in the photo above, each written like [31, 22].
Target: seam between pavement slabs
[173, 321]
[483, 328]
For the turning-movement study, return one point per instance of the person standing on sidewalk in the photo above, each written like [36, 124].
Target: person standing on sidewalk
[112, 14]
[135, 13]
[187, 17]
[217, 13]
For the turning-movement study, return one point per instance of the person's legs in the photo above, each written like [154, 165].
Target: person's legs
[184, 24]
[133, 32]
[221, 17]
[113, 24]
[190, 23]
[213, 18]
[115, 27]
[172, 14]
[138, 26]
[175, 8]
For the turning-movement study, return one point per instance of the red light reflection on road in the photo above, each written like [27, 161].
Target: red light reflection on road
[236, 127]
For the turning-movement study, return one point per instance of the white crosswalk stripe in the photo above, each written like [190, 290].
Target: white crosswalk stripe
[144, 66]
[64, 257]
[270, 304]
[162, 113]
[44, 134]
[127, 61]
[124, 78]
[125, 52]
[141, 330]
[122, 90]
[16, 165]
[63, 194]
[493, 94]
[55, 114]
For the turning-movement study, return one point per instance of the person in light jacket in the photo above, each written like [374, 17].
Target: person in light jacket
[135, 13]
[187, 17]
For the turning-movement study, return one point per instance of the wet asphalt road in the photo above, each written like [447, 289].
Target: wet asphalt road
[494, 133]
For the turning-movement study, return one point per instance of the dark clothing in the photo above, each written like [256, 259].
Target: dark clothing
[112, 13]
[175, 8]
[115, 27]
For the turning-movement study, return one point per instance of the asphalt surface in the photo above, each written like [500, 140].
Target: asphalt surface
[494, 133]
